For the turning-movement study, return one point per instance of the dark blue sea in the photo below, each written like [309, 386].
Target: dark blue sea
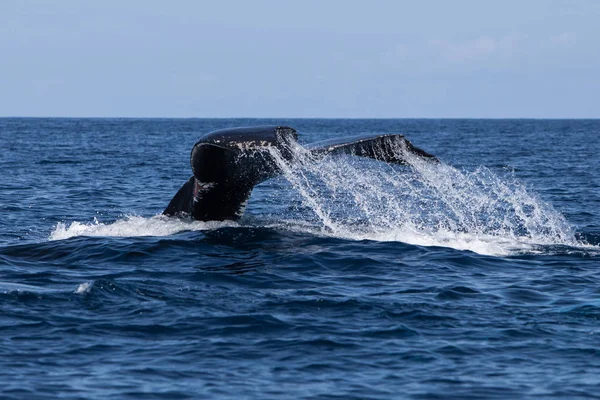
[475, 278]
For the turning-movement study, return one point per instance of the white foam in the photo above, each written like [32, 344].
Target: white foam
[84, 288]
[481, 244]
[132, 226]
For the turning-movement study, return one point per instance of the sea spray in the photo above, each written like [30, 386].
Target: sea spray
[422, 203]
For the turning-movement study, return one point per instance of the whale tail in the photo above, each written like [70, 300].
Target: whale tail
[227, 164]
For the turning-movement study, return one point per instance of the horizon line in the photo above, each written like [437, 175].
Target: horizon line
[306, 118]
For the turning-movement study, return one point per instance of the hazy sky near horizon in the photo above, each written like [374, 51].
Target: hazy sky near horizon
[327, 58]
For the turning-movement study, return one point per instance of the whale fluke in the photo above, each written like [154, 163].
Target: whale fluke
[227, 164]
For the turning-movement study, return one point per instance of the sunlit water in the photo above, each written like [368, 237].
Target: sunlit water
[347, 278]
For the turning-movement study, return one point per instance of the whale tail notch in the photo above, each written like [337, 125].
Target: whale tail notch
[227, 164]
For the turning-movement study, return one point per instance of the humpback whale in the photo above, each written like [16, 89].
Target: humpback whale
[227, 164]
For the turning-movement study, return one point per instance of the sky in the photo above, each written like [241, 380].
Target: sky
[309, 59]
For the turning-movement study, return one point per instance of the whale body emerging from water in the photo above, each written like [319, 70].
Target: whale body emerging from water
[228, 163]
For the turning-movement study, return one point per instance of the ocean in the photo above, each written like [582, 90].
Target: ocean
[348, 278]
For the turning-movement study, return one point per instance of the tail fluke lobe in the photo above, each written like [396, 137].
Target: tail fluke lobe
[240, 154]
[227, 164]
[391, 148]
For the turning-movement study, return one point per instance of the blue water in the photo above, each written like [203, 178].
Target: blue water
[476, 278]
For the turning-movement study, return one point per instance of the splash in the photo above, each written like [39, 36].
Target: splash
[132, 226]
[424, 204]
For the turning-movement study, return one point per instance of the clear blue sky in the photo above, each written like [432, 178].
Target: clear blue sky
[327, 58]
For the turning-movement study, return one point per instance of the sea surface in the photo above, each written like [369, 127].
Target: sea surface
[347, 278]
